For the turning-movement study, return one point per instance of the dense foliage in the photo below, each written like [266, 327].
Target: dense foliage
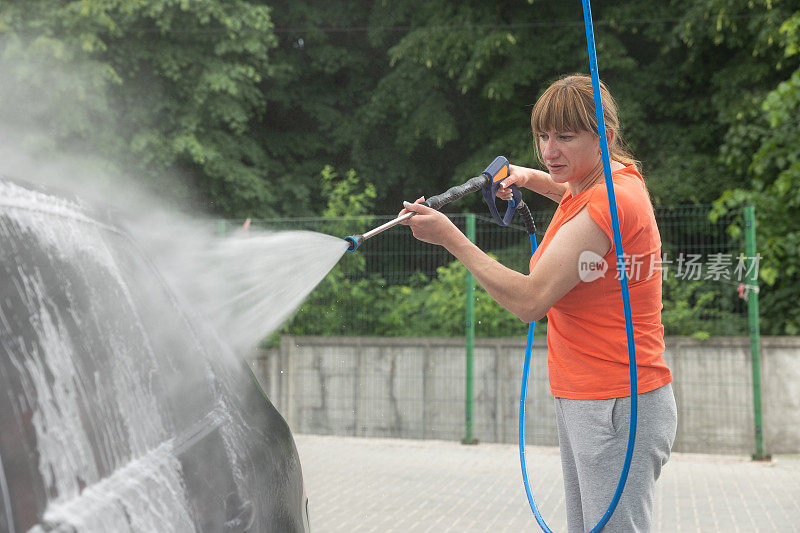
[161, 87]
[766, 150]
[241, 97]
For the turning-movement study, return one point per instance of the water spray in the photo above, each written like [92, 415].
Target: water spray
[489, 181]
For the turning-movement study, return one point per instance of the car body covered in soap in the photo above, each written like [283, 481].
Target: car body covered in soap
[119, 413]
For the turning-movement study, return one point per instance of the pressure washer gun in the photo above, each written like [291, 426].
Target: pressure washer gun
[489, 181]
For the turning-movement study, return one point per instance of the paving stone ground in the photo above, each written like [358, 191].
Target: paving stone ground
[385, 485]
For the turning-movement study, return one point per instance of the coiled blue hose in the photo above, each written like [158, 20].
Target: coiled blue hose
[626, 303]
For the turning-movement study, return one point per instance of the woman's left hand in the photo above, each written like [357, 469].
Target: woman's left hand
[429, 225]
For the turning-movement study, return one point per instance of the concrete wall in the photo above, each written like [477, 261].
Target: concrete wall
[414, 388]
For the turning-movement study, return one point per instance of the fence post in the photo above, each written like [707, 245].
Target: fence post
[470, 337]
[755, 332]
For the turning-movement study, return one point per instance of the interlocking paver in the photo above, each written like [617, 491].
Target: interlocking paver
[384, 485]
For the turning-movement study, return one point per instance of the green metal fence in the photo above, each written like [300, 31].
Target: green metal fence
[396, 286]
[703, 268]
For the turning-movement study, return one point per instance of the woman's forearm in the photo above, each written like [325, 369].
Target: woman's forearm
[529, 297]
[511, 289]
[542, 183]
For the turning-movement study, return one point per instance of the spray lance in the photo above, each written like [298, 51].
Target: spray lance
[488, 181]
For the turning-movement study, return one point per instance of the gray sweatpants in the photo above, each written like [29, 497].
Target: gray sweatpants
[593, 436]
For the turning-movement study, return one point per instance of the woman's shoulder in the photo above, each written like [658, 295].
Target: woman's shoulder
[631, 197]
[629, 187]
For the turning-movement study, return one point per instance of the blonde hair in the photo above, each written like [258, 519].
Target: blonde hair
[568, 105]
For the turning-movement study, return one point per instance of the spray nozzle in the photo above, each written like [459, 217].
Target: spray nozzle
[353, 242]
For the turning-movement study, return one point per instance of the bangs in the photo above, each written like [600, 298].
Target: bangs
[562, 108]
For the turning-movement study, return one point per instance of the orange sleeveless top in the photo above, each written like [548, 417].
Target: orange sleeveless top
[587, 345]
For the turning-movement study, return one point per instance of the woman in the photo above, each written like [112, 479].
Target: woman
[586, 339]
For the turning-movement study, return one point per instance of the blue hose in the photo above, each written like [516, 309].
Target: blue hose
[626, 302]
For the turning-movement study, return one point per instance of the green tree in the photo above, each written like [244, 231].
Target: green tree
[775, 192]
[163, 87]
[326, 70]
[418, 96]
[457, 81]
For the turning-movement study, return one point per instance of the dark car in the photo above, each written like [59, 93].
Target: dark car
[119, 413]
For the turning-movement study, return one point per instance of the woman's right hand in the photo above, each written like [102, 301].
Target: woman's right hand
[516, 175]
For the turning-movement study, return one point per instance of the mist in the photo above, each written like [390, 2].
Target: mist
[243, 284]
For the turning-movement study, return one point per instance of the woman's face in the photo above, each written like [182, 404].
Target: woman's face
[570, 156]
